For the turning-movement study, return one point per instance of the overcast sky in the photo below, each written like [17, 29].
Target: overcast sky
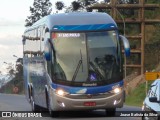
[12, 20]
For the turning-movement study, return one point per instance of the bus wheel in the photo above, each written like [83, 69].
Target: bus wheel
[111, 112]
[29, 95]
[33, 105]
[54, 113]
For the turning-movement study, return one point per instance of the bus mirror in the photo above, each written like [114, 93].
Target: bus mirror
[126, 45]
[47, 52]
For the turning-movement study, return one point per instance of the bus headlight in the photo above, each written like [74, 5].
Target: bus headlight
[61, 92]
[116, 90]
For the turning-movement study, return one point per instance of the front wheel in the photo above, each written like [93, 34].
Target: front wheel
[111, 112]
[54, 113]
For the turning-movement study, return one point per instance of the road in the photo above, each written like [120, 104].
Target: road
[19, 103]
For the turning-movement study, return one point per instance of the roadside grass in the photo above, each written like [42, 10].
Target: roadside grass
[137, 96]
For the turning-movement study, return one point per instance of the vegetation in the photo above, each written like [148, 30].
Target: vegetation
[139, 92]
[40, 9]
[59, 5]
[82, 5]
[17, 79]
[137, 96]
[75, 5]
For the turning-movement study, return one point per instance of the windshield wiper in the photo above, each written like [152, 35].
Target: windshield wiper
[81, 59]
[77, 68]
[76, 71]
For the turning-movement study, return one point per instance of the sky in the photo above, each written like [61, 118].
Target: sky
[12, 20]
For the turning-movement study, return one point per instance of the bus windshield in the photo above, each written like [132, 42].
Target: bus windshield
[89, 58]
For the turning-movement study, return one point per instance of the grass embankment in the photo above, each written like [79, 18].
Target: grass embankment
[137, 96]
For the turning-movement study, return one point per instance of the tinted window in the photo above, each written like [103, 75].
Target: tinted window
[71, 59]
[91, 57]
[104, 55]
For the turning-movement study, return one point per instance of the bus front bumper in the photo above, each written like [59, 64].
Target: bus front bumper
[61, 103]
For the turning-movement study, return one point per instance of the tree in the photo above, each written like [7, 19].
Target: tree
[76, 5]
[40, 9]
[14, 77]
[59, 5]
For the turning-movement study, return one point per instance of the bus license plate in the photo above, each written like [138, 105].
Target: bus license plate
[89, 103]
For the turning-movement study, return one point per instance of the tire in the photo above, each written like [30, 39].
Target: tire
[144, 118]
[29, 94]
[111, 112]
[54, 113]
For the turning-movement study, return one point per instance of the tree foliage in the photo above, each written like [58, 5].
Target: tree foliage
[16, 76]
[76, 5]
[82, 4]
[40, 9]
[59, 5]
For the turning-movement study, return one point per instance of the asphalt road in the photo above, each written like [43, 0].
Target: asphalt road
[19, 103]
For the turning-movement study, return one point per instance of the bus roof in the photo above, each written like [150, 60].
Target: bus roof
[74, 18]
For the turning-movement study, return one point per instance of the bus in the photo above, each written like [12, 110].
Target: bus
[73, 61]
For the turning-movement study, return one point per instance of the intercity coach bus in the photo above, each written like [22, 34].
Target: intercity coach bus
[73, 61]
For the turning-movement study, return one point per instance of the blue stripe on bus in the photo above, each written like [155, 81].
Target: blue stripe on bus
[87, 90]
[84, 27]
